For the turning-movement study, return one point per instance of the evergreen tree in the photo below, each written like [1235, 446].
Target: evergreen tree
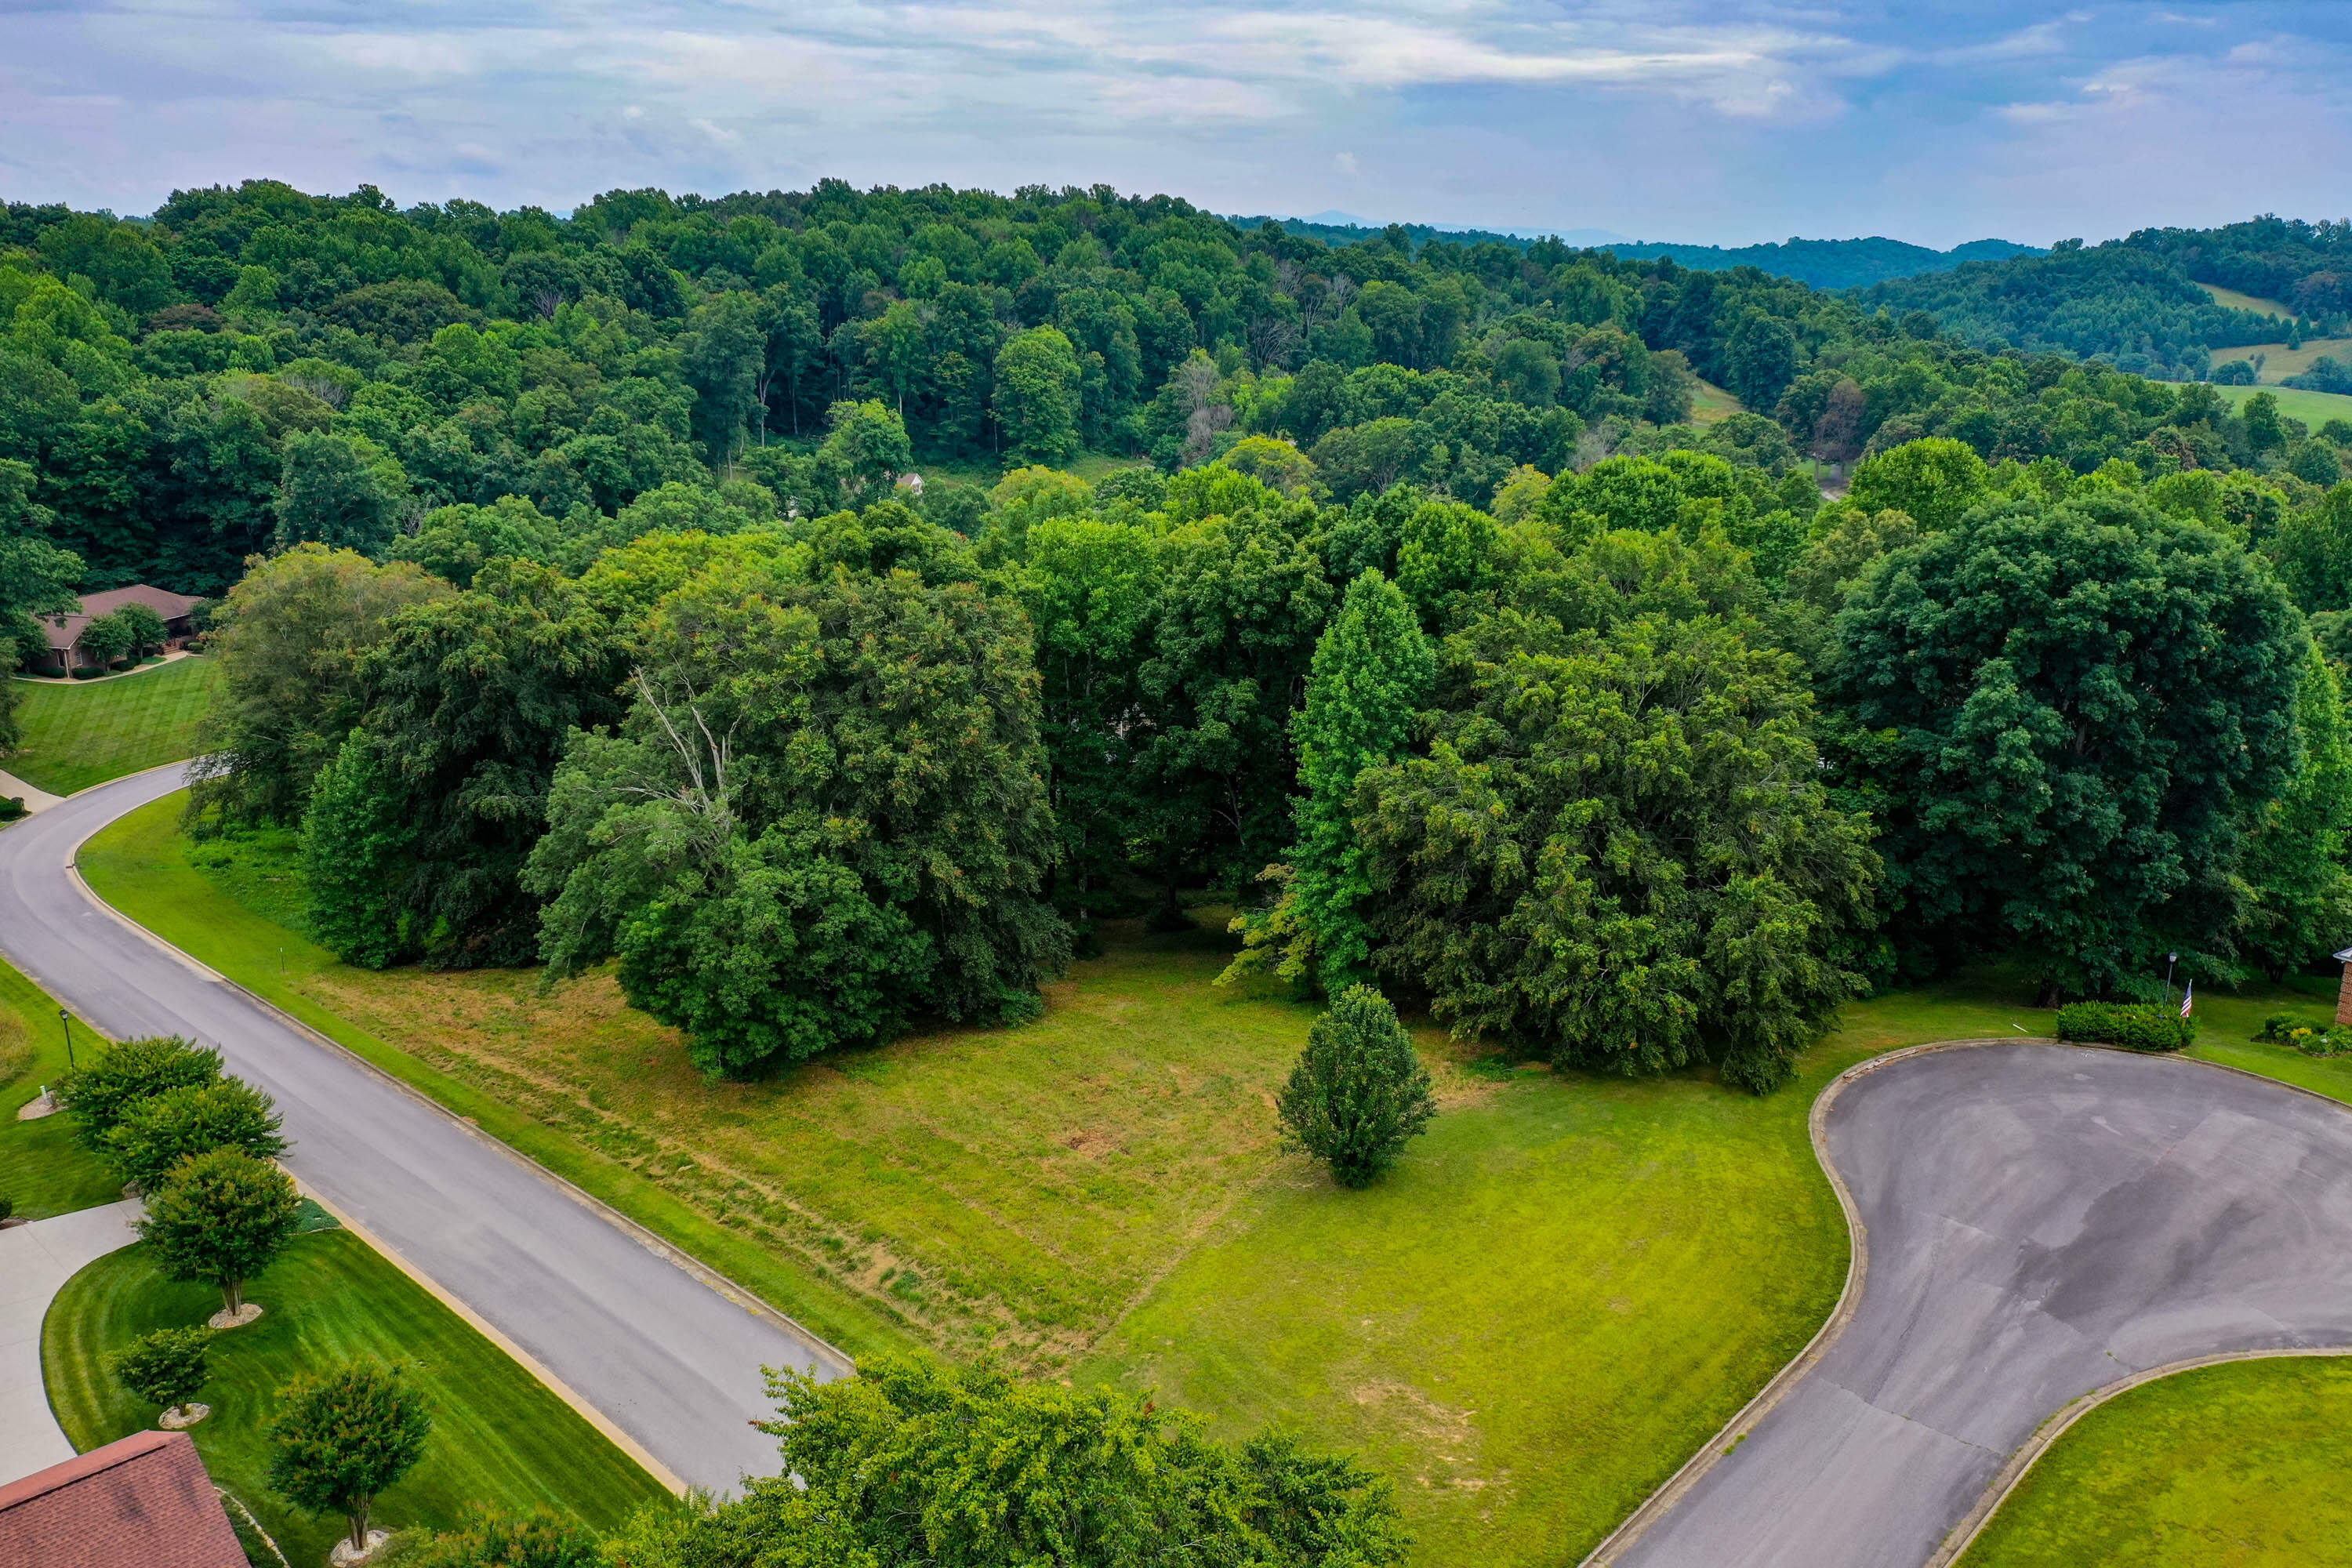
[1372, 668]
[1359, 1092]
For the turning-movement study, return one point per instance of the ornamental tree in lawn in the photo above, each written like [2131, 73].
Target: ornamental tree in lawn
[1358, 1092]
[167, 1367]
[2068, 712]
[146, 628]
[340, 1440]
[219, 1219]
[121, 1075]
[158, 1132]
[105, 639]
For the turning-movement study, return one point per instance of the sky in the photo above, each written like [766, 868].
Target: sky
[1725, 123]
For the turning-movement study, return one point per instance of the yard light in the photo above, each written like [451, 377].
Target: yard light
[65, 1020]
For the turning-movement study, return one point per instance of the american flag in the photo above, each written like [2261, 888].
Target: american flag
[2187, 991]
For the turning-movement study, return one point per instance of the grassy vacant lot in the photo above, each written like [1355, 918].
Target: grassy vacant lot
[42, 1170]
[1565, 1287]
[1713, 405]
[2314, 408]
[500, 1439]
[2228, 1467]
[85, 733]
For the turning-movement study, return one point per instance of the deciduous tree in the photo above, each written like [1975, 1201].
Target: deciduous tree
[2068, 711]
[97, 1096]
[156, 1133]
[219, 1219]
[338, 1441]
[168, 1367]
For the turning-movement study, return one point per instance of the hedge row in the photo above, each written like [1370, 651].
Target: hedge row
[2141, 1027]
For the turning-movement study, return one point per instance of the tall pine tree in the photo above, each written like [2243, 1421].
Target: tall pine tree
[1373, 667]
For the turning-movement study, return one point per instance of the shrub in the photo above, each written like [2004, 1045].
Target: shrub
[2139, 1028]
[98, 1095]
[2279, 1026]
[167, 1367]
[10, 807]
[7, 1208]
[1357, 1092]
[488, 1541]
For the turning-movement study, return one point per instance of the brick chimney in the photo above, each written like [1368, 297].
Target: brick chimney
[2343, 992]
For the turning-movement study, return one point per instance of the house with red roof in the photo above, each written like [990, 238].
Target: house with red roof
[64, 656]
[146, 1500]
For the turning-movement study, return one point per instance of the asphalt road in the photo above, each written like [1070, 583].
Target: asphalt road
[661, 1353]
[2042, 1221]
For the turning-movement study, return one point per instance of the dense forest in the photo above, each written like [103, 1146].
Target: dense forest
[2136, 302]
[579, 603]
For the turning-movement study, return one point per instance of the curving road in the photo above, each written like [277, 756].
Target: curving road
[2040, 1221]
[665, 1353]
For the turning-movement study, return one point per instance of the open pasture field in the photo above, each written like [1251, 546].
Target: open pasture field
[2232, 300]
[2314, 408]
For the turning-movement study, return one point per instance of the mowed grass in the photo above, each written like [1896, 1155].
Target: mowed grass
[1712, 405]
[2279, 361]
[500, 1440]
[2314, 408]
[2231, 299]
[42, 1170]
[84, 734]
[2227, 1467]
[1567, 1286]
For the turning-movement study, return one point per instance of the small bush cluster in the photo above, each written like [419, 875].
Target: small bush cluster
[2312, 1041]
[2139, 1028]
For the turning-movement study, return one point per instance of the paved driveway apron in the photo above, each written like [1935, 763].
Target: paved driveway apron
[2043, 1221]
[668, 1359]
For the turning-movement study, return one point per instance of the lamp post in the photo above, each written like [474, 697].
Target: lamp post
[65, 1021]
[2170, 960]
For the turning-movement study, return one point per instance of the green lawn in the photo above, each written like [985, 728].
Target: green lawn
[1712, 405]
[42, 1170]
[1565, 1287]
[2228, 1467]
[500, 1439]
[87, 732]
[2314, 408]
[2234, 301]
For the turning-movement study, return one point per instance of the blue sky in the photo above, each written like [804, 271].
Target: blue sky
[1723, 122]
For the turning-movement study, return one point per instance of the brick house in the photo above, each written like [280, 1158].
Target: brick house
[64, 652]
[145, 1500]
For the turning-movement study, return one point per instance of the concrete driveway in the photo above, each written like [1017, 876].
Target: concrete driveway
[669, 1357]
[2042, 1221]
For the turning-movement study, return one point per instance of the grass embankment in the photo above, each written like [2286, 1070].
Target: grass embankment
[2226, 1467]
[85, 733]
[1566, 1287]
[2231, 299]
[2314, 408]
[500, 1439]
[1712, 405]
[42, 1170]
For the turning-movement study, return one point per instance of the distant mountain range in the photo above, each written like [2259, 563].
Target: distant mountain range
[1824, 263]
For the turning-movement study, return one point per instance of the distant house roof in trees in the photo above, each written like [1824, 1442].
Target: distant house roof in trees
[64, 631]
[145, 1499]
